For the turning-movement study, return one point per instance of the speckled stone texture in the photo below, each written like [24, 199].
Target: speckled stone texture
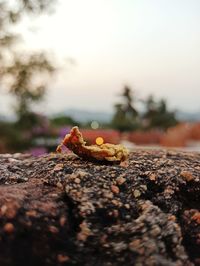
[61, 210]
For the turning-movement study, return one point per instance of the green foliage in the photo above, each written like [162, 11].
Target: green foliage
[12, 138]
[28, 120]
[126, 116]
[63, 121]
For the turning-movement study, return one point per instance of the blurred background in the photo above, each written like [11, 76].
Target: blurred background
[125, 71]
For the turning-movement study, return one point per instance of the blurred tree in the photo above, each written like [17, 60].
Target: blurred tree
[18, 72]
[150, 105]
[21, 72]
[157, 115]
[21, 75]
[126, 116]
[150, 112]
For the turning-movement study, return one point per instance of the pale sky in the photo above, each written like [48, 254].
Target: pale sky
[151, 45]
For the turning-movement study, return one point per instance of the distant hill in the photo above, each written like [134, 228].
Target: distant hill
[186, 116]
[84, 116]
[104, 117]
[10, 118]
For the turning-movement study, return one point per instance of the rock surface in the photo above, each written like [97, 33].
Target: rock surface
[61, 210]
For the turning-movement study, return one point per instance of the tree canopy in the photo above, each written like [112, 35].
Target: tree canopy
[21, 72]
[157, 114]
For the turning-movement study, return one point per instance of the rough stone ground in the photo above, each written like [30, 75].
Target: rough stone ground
[61, 210]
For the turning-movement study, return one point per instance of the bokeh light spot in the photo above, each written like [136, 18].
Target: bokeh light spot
[99, 141]
[94, 125]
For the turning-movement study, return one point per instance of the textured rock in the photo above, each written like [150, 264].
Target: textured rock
[61, 210]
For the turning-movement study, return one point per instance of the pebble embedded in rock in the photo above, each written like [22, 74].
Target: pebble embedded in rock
[115, 189]
[9, 228]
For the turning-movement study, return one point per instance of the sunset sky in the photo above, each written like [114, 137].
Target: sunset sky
[151, 45]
